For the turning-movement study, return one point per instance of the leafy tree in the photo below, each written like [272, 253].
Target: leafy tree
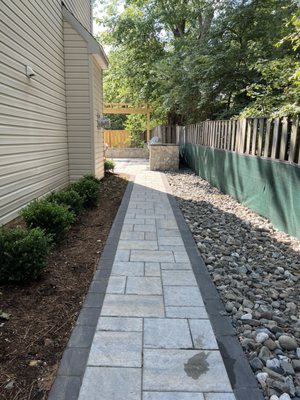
[193, 59]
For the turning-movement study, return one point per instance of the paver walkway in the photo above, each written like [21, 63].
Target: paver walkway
[153, 340]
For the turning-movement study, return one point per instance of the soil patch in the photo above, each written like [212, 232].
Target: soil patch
[43, 313]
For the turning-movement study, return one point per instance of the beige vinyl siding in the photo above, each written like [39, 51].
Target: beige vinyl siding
[33, 134]
[38, 113]
[97, 94]
[78, 103]
[82, 10]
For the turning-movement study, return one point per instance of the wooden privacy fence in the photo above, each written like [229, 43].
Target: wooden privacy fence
[166, 133]
[278, 139]
[117, 138]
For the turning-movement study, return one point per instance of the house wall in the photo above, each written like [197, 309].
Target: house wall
[98, 138]
[78, 103]
[33, 130]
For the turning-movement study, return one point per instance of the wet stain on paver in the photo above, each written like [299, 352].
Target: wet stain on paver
[197, 365]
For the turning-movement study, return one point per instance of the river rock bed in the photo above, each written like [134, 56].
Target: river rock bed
[256, 271]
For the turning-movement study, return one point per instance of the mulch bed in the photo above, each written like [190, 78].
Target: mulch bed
[44, 312]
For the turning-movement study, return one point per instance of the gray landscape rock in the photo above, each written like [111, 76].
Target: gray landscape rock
[255, 268]
[287, 342]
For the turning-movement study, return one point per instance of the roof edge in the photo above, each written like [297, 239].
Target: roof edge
[93, 46]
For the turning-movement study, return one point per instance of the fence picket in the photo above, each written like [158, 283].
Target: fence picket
[275, 138]
[248, 135]
[260, 136]
[294, 133]
[254, 136]
[284, 137]
[267, 138]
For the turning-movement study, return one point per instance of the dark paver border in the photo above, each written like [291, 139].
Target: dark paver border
[241, 377]
[73, 363]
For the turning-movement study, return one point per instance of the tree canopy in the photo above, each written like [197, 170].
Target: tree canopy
[203, 59]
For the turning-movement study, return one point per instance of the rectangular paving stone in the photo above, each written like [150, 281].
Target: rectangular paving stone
[172, 248]
[184, 371]
[65, 387]
[73, 362]
[183, 296]
[186, 312]
[152, 269]
[185, 266]
[144, 228]
[181, 256]
[167, 333]
[170, 241]
[128, 268]
[133, 236]
[82, 336]
[122, 255]
[219, 396]
[172, 396]
[203, 334]
[178, 278]
[116, 349]
[149, 235]
[138, 245]
[127, 228]
[116, 284]
[120, 324]
[168, 233]
[88, 316]
[134, 221]
[151, 255]
[167, 224]
[111, 384]
[144, 285]
[133, 306]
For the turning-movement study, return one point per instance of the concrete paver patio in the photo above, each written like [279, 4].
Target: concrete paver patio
[153, 340]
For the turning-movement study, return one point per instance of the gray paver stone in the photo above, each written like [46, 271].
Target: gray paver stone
[144, 285]
[116, 349]
[111, 384]
[188, 296]
[167, 333]
[184, 370]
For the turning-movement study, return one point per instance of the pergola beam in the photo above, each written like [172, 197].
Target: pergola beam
[124, 108]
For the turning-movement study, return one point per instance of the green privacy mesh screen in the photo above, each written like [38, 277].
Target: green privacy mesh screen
[269, 187]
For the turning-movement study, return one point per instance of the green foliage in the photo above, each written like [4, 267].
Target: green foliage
[92, 178]
[193, 60]
[54, 219]
[23, 254]
[88, 190]
[109, 165]
[277, 92]
[136, 125]
[69, 198]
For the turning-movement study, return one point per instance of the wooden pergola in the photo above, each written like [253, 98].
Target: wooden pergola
[125, 108]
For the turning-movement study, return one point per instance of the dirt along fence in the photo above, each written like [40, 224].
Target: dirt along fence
[255, 160]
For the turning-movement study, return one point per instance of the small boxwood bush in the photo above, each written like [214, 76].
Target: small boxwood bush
[92, 178]
[54, 219]
[69, 198]
[23, 253]
[109, 165]
[88, 190]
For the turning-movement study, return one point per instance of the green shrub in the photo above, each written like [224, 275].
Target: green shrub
[109, 165]
[88, 190]
[23, 253]
[92, 178]
[69, 198]
[54, 219]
